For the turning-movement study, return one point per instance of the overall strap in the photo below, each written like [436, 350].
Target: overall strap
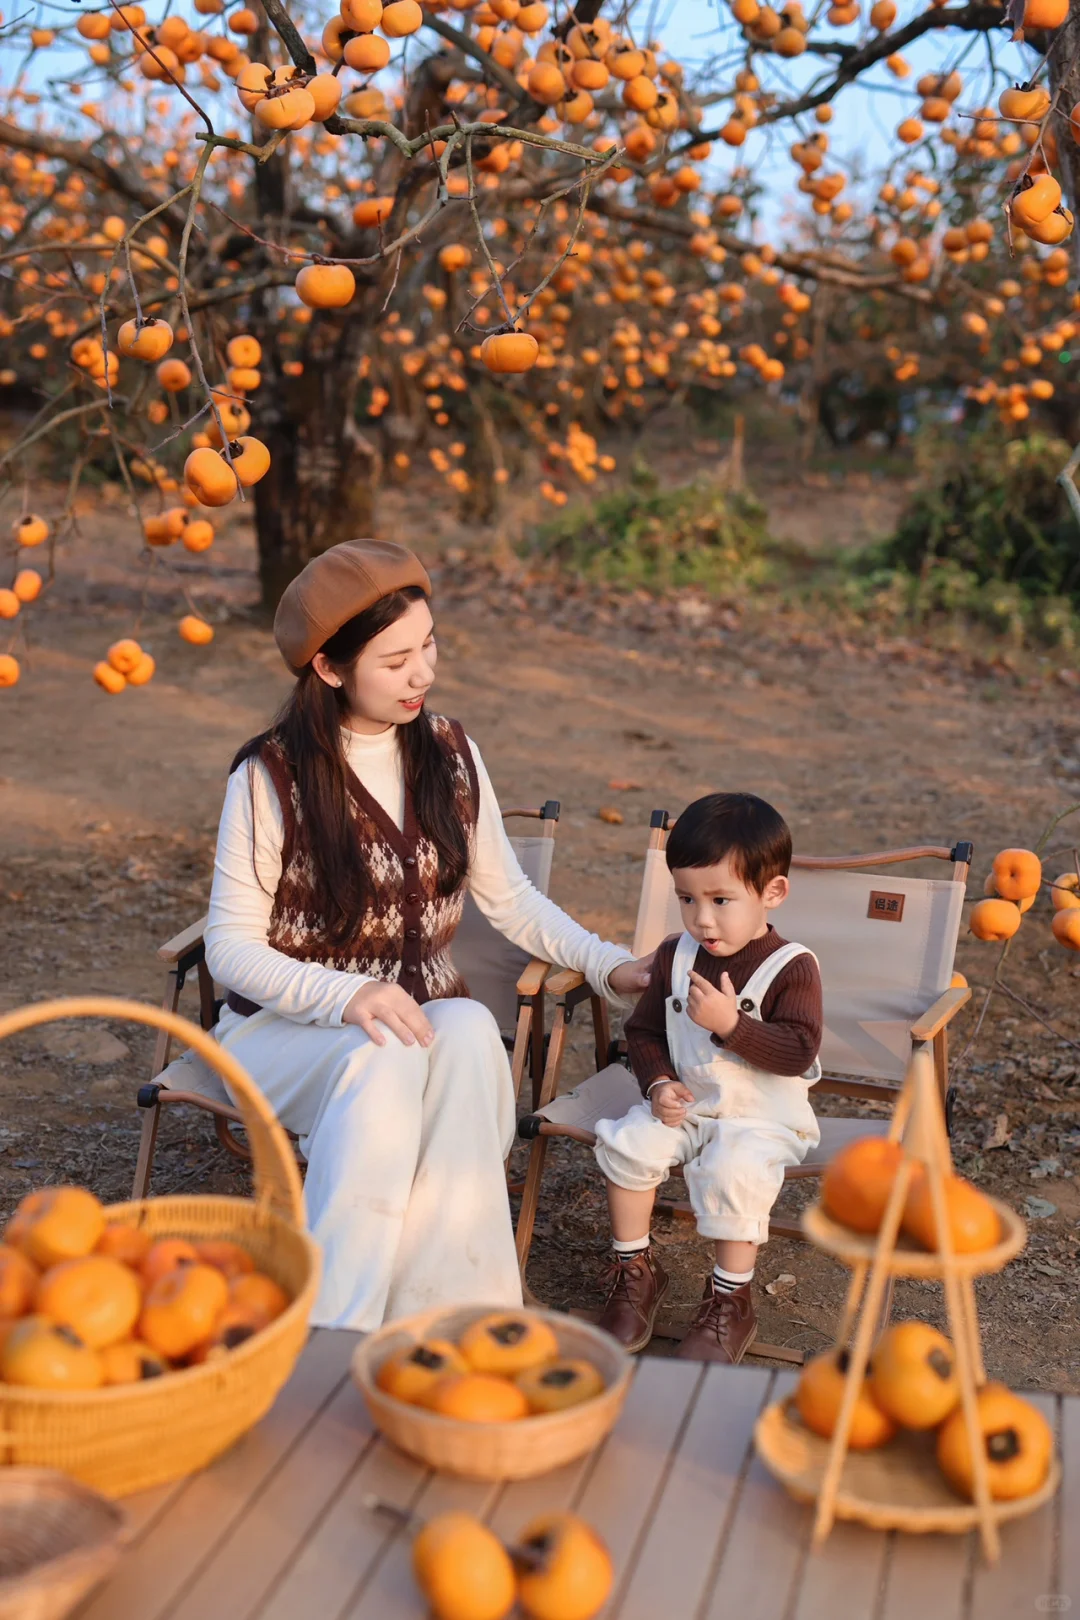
[685, 957]
[758, 985]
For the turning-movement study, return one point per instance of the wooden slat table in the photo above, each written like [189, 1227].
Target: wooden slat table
[276, 1529]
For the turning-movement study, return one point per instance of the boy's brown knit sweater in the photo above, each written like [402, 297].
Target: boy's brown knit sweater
[785, 1040]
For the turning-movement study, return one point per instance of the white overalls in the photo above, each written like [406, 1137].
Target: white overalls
[745, 1127]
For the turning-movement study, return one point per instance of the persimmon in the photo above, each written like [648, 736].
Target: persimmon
[181, 1309]
[1066, 928]
[362, 16]
[9, 604]
[994, 919]
[129, 1244]
[18, 1281]
[195, 631]
[463, 1569]
[325, 92]
[209, 476]
[510, 351]
[174, 376]
[96, 1296]
[1017, 1444]
[476, 1397]
[1026, 105]
[289, 108]
[400, 18]
[143, 671]
[108, 678]
[858, 1180]
[166, 1255]
[130, 1362]
[55, 1224]
[148, 340]
[197, 535]
[555, 1385]
[39, 1354]
[328, 286]
[30, 530]
[124, 655]
[973, 1222]
[367, 53]
[1045, 13]
[508, 1342]
[250, 460]
[818, 1397]
[230, 1258]
[1036, 197]
[252, 84]
[260, 1294]
[546, 84]
[411, 1374]
[372, 211]
[913, 1375]
[569, 1573]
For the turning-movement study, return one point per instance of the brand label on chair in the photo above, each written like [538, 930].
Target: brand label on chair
[884, 906]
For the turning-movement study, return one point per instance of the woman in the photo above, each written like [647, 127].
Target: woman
[350, 834]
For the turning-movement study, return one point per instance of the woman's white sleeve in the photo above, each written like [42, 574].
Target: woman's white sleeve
[247, 869]
[520, 912]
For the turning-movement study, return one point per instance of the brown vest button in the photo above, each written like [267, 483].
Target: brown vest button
[412, 933]
[411, 898]
[410, 860]
[410, 967]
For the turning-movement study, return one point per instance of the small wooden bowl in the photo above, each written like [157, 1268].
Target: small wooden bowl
[493, 1451]
[908, 1259]
[897, 1487]
[58, 1539]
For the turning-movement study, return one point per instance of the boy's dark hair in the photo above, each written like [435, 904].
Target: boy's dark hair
[737, 826]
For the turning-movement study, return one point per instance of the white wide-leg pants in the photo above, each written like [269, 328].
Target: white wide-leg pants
[405, 1188]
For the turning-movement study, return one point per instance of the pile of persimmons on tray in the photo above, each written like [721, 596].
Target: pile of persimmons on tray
[87, 1302]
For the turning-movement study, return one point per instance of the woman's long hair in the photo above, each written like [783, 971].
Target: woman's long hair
[308, 731]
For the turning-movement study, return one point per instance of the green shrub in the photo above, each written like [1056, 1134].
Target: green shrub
[654, 538]
[989, 512]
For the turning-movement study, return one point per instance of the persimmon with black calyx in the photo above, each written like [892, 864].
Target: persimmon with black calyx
[210, 477]
[412, 1374]
[131, 1362]
[30, 530]
[165, 1255]
[564, 1569]
[1034, 199]
[1024, 106]
[1017, 1441]
[553, 1386]
[182, 1308]
[39, 1354]
[913, 1375]
[286, 109]
[820, 1392]
[250, 460]
[145, 340]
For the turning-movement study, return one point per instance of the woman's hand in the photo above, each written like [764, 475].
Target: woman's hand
[377, 1003]
[670, 1102]
[631, 978]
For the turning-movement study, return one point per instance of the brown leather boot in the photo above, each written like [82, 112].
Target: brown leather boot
[724, 1328]
[633, 1290]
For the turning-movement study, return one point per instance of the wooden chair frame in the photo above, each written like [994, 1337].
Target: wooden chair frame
[185, 953]
[568, 989]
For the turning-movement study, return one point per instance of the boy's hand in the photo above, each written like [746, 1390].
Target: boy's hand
[670, 1102]
[710, 1008]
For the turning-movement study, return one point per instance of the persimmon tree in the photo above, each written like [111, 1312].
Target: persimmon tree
[276, 254]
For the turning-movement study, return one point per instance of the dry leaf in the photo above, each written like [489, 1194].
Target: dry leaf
[1000, 1133]
[783, 1284]
[619, 784]
[609, 814]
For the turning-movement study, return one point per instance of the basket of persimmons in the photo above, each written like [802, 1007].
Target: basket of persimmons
[492, 1394]
[139, 1340]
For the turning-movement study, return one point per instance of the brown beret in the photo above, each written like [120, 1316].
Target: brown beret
[335, 587]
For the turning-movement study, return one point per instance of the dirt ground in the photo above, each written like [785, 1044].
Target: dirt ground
[108, 809]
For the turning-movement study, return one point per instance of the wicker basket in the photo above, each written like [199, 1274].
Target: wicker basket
[898, 1486]
[57, 1541]
[494, 1451]
[132, 1436]
[907, 1259]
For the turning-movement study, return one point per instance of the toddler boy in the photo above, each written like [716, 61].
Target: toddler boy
[724, 1045]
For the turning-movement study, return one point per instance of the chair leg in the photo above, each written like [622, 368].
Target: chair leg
[549, 1084]
[147, 1144]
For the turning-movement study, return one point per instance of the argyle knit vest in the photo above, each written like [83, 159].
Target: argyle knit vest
[404, 937]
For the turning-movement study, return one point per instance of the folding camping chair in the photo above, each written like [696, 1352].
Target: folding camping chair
[885, 946]
[499, 974]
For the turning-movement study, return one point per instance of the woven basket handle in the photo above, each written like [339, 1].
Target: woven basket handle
[277, 1178]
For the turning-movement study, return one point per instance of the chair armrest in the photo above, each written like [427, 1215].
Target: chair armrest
[935, 1018]
[181, 944]
[564, 981]
[532, 978]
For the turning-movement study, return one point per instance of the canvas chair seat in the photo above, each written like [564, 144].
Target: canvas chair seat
[190, 1072]
[613, 1092]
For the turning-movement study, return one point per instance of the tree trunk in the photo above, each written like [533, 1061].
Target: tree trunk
[1065, 88]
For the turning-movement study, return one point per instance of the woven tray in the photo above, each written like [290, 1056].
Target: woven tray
[132, 1436]
[908, 1259]
[58, 1539]
[897, 1487]
[493, 1451]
